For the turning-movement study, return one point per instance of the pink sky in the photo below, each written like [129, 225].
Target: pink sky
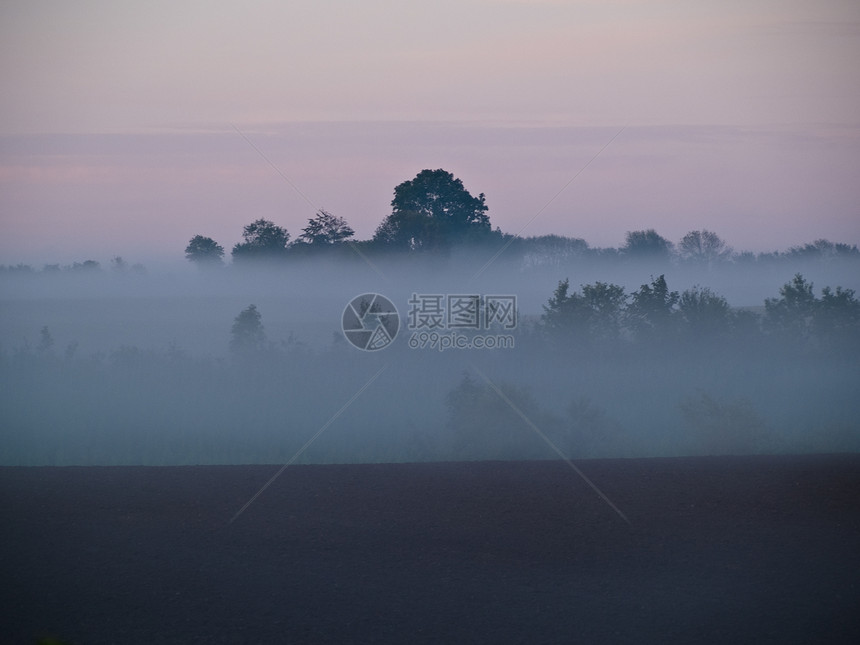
[116, 124]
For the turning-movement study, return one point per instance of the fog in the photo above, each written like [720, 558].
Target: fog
[148, 366]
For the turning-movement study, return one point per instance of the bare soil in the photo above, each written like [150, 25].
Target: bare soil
[718, 550]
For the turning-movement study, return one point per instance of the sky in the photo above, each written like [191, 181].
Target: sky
[126, 128]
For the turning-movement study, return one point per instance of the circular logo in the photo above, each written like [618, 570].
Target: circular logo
[370, 321]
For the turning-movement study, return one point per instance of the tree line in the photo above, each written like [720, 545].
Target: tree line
[603, 318]
[602, 315]
[434, 212]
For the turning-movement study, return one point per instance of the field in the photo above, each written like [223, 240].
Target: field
[762, 549]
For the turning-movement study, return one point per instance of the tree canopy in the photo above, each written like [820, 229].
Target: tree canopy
[263, 240]
[595, 314]
[798, 314]
[647, 244]
[652, 307]
[703, 246]
[326, 229]
[705, 313]
[432, 211]
[204, 251]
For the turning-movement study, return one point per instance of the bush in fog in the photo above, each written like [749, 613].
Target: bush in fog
[725, 426]
[247, 335]
[485, 426]
[46, 341]
[87, 266]
[548, 250]
[590, 432]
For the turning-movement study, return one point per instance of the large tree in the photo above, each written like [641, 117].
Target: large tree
[263, 240]
[432, 211]
[204, 251]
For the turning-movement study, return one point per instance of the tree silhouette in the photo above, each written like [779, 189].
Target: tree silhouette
[263, 240]
[46, 341]
[88, 266]
[326, 229]
[652, 307]
[560, 312]
[704, 313]
[432, 211]
[204, 251]
[838, 315]
[118, 265]
[829, 321]
[823, 250]
[247, 334]
[595, 314]
[647, 244]
[793, 312]
[550, 250]
[703, 246]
